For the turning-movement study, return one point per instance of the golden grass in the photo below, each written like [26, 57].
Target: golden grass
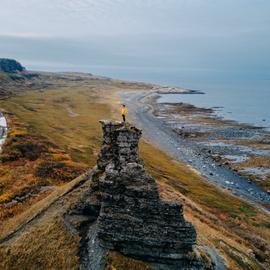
[40, 239]
[29, 163]
[45, 246]
[116, 261]
[13, 224]
[51, 117]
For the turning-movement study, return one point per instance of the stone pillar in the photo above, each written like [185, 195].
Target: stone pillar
[120, 144]
[133, 219]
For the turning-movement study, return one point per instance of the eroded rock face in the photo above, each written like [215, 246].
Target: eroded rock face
[133, 219]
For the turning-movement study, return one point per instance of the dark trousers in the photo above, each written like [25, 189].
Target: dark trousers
[124, 118]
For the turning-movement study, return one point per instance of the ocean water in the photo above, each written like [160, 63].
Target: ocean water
[244, 102]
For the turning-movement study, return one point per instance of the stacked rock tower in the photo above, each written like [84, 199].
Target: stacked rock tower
[133, 219]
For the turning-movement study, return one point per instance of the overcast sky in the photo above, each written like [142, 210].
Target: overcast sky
[184, 35]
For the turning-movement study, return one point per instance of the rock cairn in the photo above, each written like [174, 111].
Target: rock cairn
[133, 219]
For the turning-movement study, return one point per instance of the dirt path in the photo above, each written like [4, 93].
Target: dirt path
[52, 204]
[160, 134]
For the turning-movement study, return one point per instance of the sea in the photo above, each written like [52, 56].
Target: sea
[244, 102]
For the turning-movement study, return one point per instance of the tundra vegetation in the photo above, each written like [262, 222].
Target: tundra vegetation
[54, 137]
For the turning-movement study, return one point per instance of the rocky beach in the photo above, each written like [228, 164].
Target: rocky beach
[232, 155]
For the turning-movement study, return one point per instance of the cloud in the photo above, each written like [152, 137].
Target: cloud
[189, 34]
[116, 17]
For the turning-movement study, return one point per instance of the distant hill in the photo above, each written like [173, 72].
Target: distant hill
[10, 65]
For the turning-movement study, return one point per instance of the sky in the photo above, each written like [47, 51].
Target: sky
[139, 39]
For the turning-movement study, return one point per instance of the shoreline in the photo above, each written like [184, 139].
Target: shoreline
[159, 126]
[232, 113]
[229, 150]
[254, 172]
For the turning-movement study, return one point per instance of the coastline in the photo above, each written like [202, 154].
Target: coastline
[228, 142]
[185, 131]
[245, 108]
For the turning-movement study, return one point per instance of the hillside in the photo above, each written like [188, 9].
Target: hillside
[10, 65]
[62, 110]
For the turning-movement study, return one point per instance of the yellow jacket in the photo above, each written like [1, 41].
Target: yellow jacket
[124, 111]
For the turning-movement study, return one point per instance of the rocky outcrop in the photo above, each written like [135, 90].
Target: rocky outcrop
[133, 219]
[10, 65]
[130, 216]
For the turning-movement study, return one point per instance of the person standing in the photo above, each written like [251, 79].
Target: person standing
[124, 112]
